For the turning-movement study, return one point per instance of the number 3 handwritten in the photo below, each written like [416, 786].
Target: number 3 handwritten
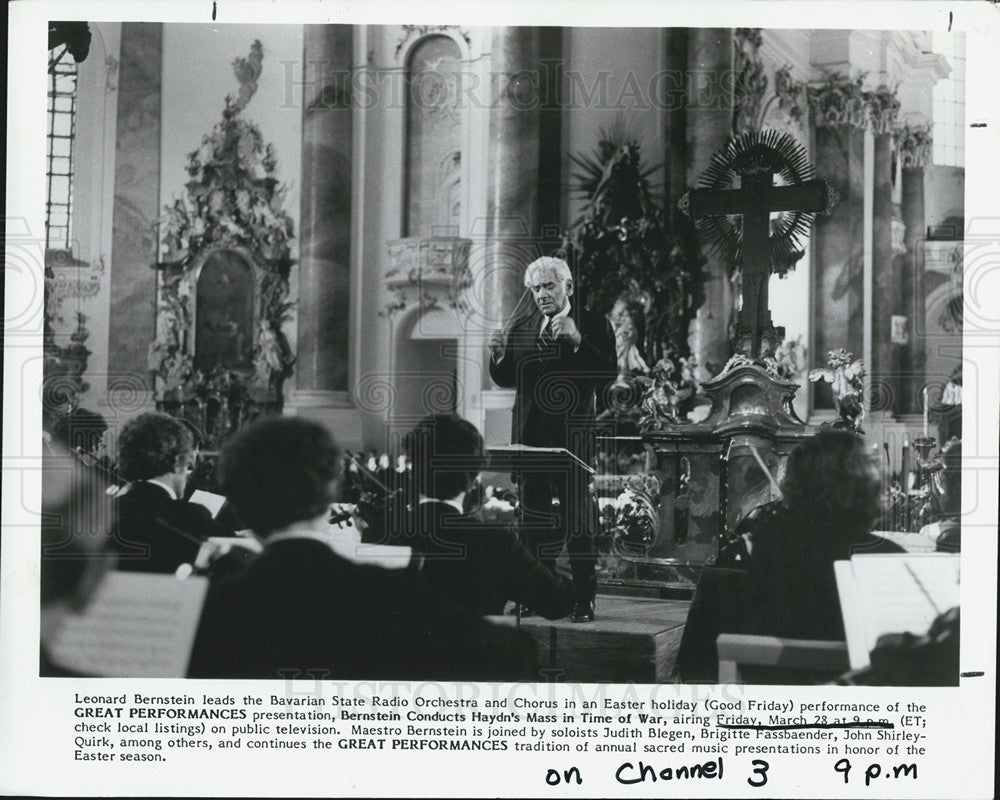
[760, 769]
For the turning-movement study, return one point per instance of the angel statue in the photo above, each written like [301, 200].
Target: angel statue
[630, 360]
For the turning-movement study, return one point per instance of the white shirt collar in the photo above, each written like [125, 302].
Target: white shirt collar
[558, 315]
[169, 489]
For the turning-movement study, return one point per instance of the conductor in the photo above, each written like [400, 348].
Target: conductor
[558, 358]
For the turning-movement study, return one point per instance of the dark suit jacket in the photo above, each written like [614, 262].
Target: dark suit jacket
[480, 566]
[156, 533]
[300, 608]
[556, 387]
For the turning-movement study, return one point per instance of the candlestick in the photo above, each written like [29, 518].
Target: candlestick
[904, 482]
[927, 394]
[904, 470]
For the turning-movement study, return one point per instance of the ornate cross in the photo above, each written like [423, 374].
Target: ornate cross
[755, 159]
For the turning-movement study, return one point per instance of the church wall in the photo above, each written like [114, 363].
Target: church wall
[84, 289]
[611, 73]
[944, 194]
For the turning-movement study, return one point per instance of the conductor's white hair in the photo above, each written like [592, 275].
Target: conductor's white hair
[558, 267]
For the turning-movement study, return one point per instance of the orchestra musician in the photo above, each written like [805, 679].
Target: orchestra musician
[302, 609]
[476, 565]
[558, 358]
[157, 529]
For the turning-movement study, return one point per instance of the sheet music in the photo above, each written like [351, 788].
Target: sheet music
[137, 625]
[882, 594]
[213, 502]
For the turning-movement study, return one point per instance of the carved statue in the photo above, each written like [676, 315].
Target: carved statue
[630, 360]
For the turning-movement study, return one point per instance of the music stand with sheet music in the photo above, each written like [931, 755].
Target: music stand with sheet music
[518, 457]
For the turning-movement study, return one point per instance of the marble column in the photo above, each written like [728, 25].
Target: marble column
[914, 357]
[513, 171]
[136, 200]
[325, 235]
[838, 243]
[675, 46]
[709, 127]
[886, 286]
[551, 183]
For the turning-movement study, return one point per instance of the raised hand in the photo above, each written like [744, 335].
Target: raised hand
[496, 343]
[565, 328]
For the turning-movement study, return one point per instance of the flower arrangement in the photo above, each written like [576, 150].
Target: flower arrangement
[631, 517]
[846, 376]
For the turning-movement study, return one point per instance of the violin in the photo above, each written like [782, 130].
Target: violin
[380, 508]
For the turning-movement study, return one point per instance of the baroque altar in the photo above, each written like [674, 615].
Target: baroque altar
[221, 357]
[701, 478]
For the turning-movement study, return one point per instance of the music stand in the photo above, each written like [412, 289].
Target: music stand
[518, 457]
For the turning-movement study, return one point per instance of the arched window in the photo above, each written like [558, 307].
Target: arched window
[433, 146]
[59, 164]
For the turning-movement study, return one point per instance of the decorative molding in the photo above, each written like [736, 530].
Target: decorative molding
[110, 73]
[793, 98]
[72, 281]
[413, 32]
[883, 110]
[432, 272]
[750, 83]
[909, 60]
[247, 71]
[319, 398]
[66, 354]
[838, 100]
[915, 145]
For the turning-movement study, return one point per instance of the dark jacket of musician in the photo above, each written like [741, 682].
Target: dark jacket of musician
[302, 610]
[558, 386]
[480, 566]
[158, 533]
